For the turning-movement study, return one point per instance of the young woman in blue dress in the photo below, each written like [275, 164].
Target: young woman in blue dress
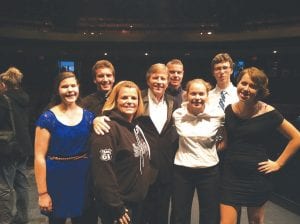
[61, 154]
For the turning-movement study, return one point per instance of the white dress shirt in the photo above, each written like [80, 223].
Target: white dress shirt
[230, 97]
[158, 111]
[197, 137]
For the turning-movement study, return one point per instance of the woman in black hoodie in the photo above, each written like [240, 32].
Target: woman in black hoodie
[13, 165]
[120, 158]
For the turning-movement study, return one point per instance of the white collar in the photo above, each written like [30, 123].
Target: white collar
[227, 89]
[153, 98]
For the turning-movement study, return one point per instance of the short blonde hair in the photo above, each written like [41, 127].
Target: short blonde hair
[175, 61]
[158, 67]
[201, 81]
[111, 104]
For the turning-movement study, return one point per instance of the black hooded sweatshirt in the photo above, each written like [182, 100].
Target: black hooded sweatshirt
[120, 164]
[20, 107]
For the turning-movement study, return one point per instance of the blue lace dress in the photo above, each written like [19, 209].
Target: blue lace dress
[67, 179]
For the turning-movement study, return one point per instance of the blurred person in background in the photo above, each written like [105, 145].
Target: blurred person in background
[13, 180]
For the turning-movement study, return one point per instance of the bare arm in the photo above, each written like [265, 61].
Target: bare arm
[100, 125]
[42, 137]
[288, 130]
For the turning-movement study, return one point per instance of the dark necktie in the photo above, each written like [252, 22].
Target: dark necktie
[222, 99]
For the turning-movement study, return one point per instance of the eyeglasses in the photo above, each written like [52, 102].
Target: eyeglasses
[219, 68]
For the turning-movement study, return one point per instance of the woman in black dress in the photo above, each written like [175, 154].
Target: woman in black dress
[249, 123]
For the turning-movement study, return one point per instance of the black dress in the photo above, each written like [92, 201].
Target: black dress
[242, 183]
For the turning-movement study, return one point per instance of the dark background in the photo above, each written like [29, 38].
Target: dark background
[36, 34]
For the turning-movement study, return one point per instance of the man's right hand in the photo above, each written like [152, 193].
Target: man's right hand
[100, 125]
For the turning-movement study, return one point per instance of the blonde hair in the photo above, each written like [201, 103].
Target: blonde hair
[12, 78]
[200, 81]
[175, 62]
[111, 104]
[158, 67]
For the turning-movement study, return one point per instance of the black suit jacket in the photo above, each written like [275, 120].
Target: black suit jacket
[163, 145]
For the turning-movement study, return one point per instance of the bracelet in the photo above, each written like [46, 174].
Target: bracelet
[219, 138]
[41, 194]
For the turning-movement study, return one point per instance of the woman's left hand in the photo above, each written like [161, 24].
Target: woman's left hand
[125, 219]
[268, 166]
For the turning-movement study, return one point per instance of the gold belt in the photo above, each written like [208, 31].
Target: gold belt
[83, 156]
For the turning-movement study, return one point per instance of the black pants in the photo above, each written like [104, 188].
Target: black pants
[206, 182]
[156, 204]
[91, 215]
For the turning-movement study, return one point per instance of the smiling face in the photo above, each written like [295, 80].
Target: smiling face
[104, 79]
[68, 90]
[127, 102]
[175, 74]
[197, 95]
[246, 89]
[158, 83]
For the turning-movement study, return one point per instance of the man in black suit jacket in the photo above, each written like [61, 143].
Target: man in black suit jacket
[163, 139]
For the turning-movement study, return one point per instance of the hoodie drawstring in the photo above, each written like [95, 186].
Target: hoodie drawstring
[142, 144]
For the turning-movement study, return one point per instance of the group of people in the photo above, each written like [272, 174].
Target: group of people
[124, 155]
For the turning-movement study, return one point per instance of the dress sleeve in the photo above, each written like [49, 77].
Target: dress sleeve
[278, 118]
[46, 120]
[88, 116]
[106, 187]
